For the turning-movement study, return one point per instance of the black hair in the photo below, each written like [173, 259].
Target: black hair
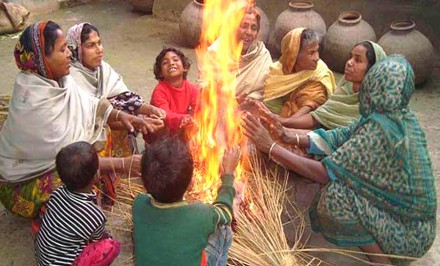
[371, 55]
[308, 36]
[77, 164]
[167, 169]
[50, 36]
[157, 65]
[86, 30]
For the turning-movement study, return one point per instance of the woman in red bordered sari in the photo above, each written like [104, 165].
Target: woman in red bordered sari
[47, 112]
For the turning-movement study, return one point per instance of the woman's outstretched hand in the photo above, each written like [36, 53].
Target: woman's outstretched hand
[134, 123]
[255, 131]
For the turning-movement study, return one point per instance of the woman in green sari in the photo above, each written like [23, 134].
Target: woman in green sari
[379, 191]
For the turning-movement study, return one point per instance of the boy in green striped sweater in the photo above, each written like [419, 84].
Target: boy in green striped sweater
[167, 229]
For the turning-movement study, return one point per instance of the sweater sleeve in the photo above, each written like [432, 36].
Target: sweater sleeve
[160, 99]
[225, 197]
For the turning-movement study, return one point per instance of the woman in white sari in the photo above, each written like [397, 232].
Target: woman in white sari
[254, 61]
[47, 112]
[99, 79]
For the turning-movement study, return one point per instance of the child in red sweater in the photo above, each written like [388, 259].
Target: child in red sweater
[174, 94]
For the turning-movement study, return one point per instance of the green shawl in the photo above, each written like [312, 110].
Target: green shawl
[383, 156]
[342, 107]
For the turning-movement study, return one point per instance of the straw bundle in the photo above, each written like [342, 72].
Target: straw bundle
[260, 239]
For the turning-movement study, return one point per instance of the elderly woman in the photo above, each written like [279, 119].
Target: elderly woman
[254, 61]
[342, 107]
[100, 80]
[47, 112]
[299, 82]
[379, 189]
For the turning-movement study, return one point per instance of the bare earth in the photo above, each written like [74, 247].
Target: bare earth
[132, 42]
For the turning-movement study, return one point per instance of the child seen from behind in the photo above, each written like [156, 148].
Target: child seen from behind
[73, 228]
[167, 229]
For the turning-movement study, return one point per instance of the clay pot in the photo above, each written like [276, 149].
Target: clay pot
[142, 6]
[13, 17]
[406, 40]
[342, 35]
[263, 34]
[299, 14]
[191, 21]
[38, 6]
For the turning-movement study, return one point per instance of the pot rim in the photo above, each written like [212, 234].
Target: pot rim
[403, 24]
[303, 5]
[198, 2]
[350, 17]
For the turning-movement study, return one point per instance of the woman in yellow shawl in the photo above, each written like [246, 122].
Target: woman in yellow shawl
[299, 82]
[342, 107]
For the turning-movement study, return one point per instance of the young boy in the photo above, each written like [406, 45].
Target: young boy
[72, 230]
[174, 94]
[167, 229]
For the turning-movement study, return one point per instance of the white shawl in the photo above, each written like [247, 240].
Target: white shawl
[44, 117]
[252, 71]
[102, 82]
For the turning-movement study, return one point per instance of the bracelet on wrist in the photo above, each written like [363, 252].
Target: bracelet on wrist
[297, 140]
[271, 149]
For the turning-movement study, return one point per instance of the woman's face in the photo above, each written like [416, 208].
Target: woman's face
[248, 31]
[308, 57]
[171, 66]
[357, 64]
[58, 61]
[92, 51]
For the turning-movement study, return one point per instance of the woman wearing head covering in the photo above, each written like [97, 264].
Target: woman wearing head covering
[342, 107]
[379, 189]
[99, 79]
[299, 82]
[254, 60]
[47, 112]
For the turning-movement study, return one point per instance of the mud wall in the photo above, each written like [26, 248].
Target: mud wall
[379, 13]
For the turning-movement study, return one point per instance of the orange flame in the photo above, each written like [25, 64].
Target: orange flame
[218, 116]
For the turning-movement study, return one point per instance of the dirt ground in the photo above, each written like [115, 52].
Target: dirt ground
[132, 42]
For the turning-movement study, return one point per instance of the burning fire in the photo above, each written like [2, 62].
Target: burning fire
[218, 117]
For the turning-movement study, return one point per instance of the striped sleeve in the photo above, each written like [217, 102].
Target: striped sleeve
[224, 201]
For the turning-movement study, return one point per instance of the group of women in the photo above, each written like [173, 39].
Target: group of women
[378, 189]
[377, 183]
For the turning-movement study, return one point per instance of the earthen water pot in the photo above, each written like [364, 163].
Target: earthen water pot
[342, 35]
[406, 40]
[299, 14]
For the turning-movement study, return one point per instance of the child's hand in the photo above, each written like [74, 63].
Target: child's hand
[230, 160]
[188, 120]
[156, 112]
[132, 165]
